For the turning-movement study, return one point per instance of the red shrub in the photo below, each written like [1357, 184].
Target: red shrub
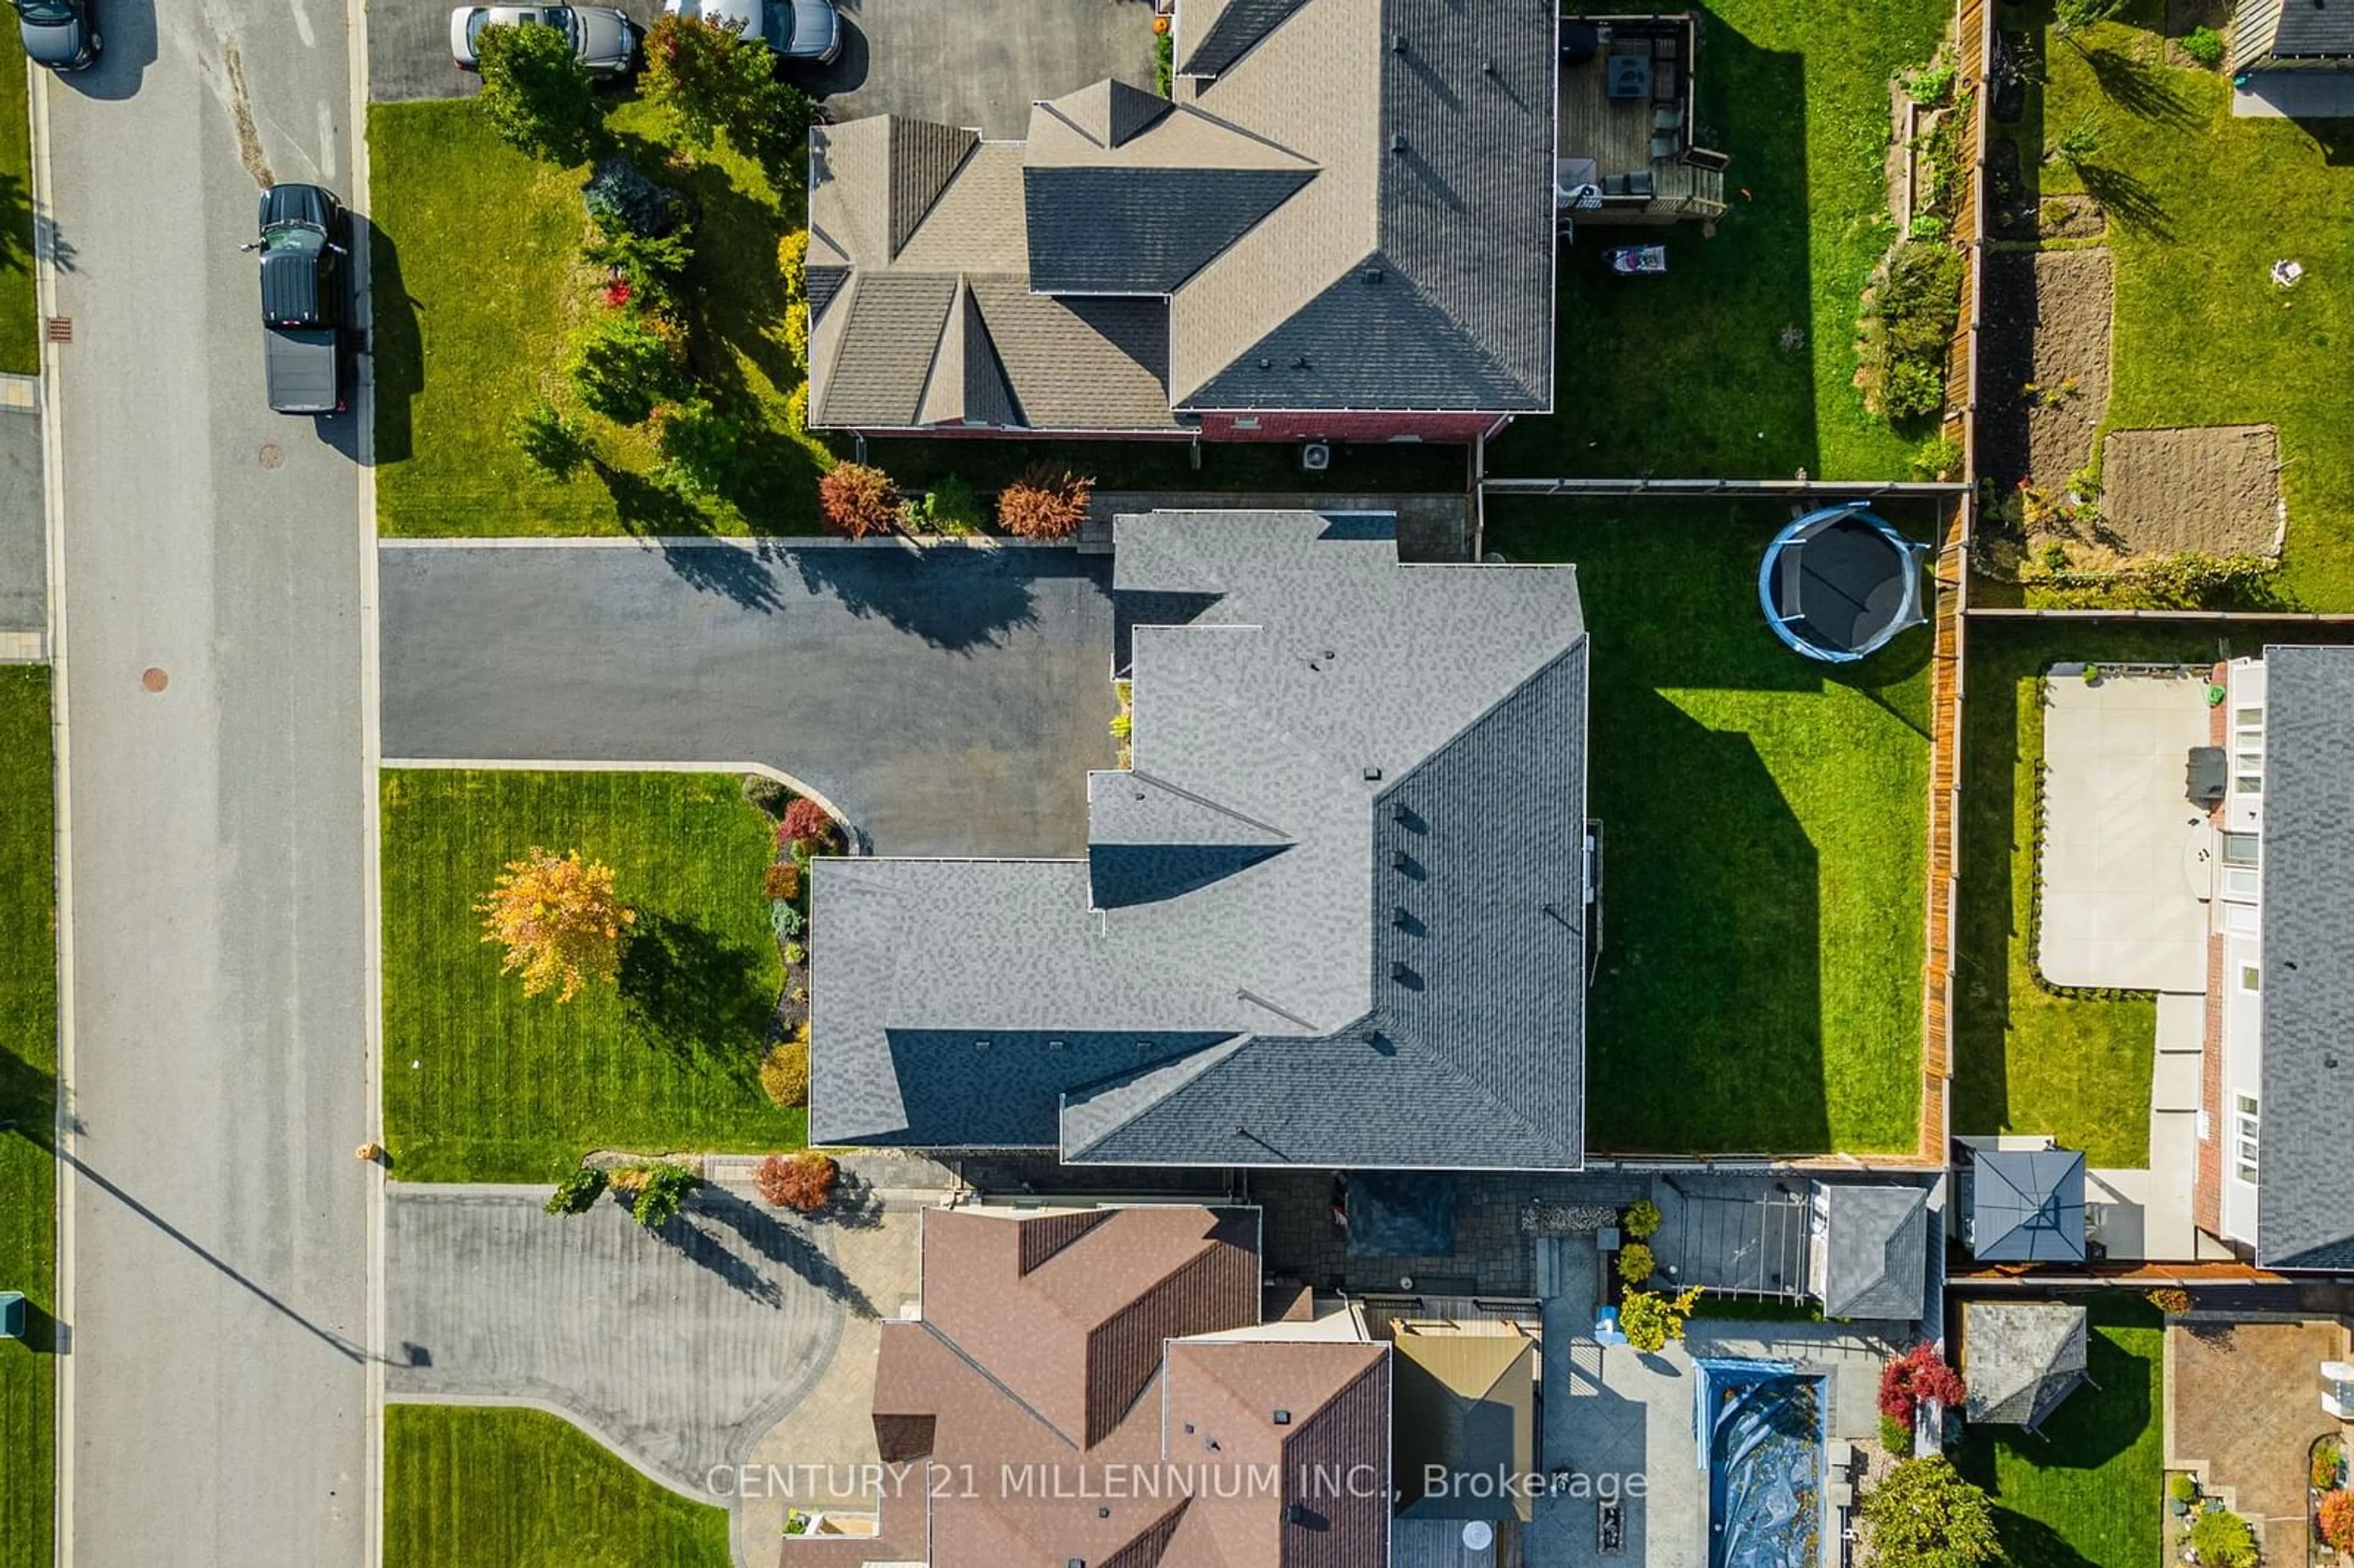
[801, 1183]
[1916, 1376]
[857, 501]
[2337, 1520]
[1044, 504]
[617, 293]
[804, 822]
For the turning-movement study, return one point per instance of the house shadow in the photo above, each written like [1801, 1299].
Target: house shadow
[1986, 913]
[1677, 375]
[1705, 1022]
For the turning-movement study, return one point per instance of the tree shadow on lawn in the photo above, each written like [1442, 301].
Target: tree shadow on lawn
[1706, 1031]
[768, 1238]
[2141, 88]
[1676, 375]
[2128, 197]
[745, 573]
[689, 993]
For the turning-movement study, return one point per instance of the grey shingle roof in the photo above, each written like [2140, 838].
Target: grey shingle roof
[2027, 1205]
[1363, 802]
[2019, 1359]
[1328, 141]
[2290, 29]
[2304, 1218]
[1875, 1250]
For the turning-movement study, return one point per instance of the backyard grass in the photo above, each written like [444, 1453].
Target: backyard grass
[20, 348]
[479, 284]
[2084, 1491]
[1764, 826]
[2201, 205]
[1742, 360]
[475, 1487]
[29, 1023]
[483, 1083]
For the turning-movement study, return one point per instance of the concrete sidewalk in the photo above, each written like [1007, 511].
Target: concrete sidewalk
[23, 525]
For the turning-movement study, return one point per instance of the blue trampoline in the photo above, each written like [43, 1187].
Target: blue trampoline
[1837, 584]
[1762, 1437]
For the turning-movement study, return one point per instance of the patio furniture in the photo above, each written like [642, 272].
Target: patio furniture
[12, 1314]
[1579, 40]
[1630, 77]
[1639, 183]
[1663, 148]
[1631, 261]
[1668, 117]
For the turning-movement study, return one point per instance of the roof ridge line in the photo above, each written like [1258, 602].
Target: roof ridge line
[1457, 323]
[1203, 800]
[996, 1383]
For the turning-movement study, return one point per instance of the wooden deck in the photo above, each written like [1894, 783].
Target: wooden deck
[1617, 133]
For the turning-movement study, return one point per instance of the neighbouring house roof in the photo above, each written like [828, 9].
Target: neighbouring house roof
[2021, 1359]
[1344, 878]
[2264, 30]
[1465, 1405]
[1052, 1374]
[2027, 1205]
[1346, 206]
[1874, 1251]
[2303, 1219]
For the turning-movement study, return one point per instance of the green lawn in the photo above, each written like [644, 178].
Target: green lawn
[473, 1488]
[1688, 374]
[506, 1087]
[20, 345]
[1765, 828]
[2201, 205]
[2085, 1491]
[478, 286]
[29, 1031]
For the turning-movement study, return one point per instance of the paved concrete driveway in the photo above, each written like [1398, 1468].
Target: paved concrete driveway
[949, 702]
[680, 1349]
[949, 61]
[2123, 863]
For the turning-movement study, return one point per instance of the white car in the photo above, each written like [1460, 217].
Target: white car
[603, 39]
[796, 29]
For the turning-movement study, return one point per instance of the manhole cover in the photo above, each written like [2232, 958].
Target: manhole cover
[272, 454]
[154, 679]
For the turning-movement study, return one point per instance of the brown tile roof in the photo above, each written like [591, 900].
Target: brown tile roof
[1006, 1295]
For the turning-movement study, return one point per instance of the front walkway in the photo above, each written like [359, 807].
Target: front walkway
[2123, 867]
[2295, 95]
[2243, 1410]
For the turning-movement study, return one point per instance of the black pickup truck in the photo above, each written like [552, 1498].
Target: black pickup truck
[306, 297]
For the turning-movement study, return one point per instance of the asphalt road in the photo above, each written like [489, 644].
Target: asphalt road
[948, 703]
[218, 1390]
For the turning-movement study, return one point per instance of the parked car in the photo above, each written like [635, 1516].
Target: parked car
[796, 29]
[603, 39]
[60, 34]
[306, 297]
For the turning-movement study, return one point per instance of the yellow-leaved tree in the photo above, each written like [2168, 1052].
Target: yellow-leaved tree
[559, 920]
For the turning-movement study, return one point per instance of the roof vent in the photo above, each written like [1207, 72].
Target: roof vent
[1398, 143]
[1487, 67]
[1397, 40]
[1371, 274]
[1210, 1444]
[1399, 971]
[1283, 1418]
[1189, 1429]
[1103, 1513]
[1266, 363]
[1054, 1044]
[1294, 1513]
[1373, 775]
[1299, 362]
[980, 1044]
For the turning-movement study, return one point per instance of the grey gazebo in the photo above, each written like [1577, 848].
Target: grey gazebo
[2027, 1205]
[2022, 1359]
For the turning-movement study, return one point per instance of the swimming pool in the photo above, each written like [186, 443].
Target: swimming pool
[1763, 1435]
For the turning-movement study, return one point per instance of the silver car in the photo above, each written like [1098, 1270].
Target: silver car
[603, 39]
[796, 29]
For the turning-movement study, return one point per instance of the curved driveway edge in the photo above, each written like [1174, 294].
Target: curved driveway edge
[946, 702]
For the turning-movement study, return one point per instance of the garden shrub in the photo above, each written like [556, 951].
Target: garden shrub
[535, 93]
[1636, 1263]
[857, 500]
[769, 794]
[697, 443]
[2171, 1299]
[785, 1072]
[952, 507]
[1939, 458]
[2329, 1462]
[1929, 85]
[708, 78]
[801, 1183]
[782, 880]
[1914, 1378]
[660, 1193]
[2222, 1539]
[1908, 322]
[621, 367]
[577, 1193]
[795, 954]
[785, 918]
[620, 199]
[1044, 504]
[797, 407]
[806, 823]
[1924, 1515]
[1641, 1220]
[2336, 1518]
[552, 442]
[2183, 1487]
[1651, 1320]
[1896, 1436]
[652, 266]
[2204, 45]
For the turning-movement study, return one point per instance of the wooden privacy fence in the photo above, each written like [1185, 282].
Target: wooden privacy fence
[1974, 37]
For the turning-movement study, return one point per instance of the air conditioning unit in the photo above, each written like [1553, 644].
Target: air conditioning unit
[1316, 457]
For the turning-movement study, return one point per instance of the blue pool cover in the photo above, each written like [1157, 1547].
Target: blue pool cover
[1761, 1434]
